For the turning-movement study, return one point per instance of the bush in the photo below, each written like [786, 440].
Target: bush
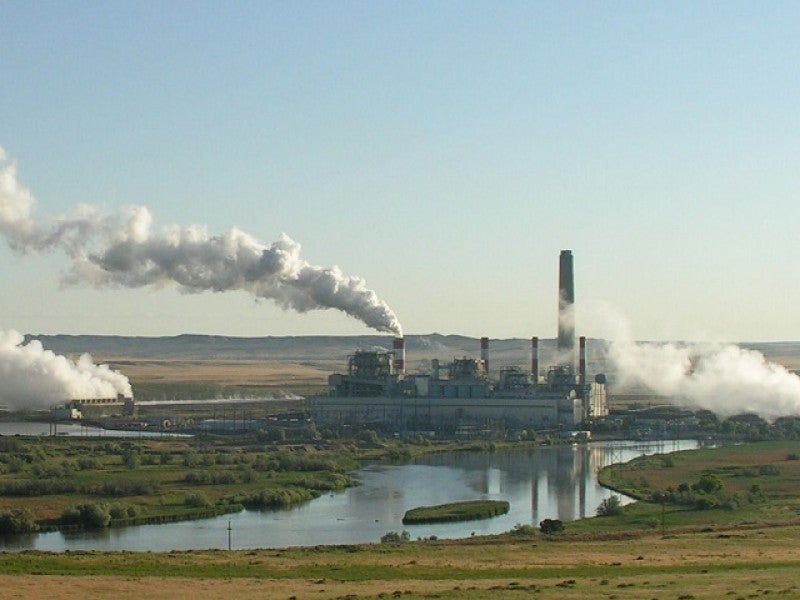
[197, 501]
[91, 516]
[709, 484]
[19, 520]
[610, 507]
[551, 526]
[89, 463]
[523, 530]
[392, 537]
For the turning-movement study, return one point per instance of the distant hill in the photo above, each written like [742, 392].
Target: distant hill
[331, 352]
[514, 351]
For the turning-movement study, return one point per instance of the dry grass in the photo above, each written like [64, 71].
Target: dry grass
[700, 566]
[223, 372]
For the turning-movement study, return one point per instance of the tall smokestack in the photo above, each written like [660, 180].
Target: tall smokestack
[582, 360]
[485, 354]
[566, 301]
[399, 355]
[535, 359]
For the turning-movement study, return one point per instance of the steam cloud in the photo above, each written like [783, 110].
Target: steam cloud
[127, 252]
[723, 378]
[32, 377]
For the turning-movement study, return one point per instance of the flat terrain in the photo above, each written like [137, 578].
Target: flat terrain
[735, 563]
[225, 372]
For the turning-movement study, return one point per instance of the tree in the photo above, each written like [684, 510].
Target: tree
[709, 484]
[610, 507]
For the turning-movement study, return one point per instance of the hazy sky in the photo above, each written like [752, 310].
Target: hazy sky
[444, 151]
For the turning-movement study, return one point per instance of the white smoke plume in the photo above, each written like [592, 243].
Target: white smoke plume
[130, 252]
[723, 378]
[32, 377]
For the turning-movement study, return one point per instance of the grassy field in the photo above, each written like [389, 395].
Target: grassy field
[729, 563]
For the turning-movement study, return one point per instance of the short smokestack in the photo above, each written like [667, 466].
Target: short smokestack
[485, 354]
[535, 359]
[399, 356]
[566, 301]
[582, 361]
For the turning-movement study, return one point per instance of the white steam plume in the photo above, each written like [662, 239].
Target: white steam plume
[128, 252]
[723, 378]
[32, 377]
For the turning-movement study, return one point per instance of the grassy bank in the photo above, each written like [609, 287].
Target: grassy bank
[735, 564]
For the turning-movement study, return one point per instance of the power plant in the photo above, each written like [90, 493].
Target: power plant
[465, 394]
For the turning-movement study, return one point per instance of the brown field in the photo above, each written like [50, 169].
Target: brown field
[224, 372]
[733, 563]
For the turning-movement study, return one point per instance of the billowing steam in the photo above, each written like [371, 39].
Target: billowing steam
[129, 252]
[723, 378]
[32, 377]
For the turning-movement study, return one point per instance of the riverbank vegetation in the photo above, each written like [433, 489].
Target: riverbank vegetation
[456, 511]
[51, 482]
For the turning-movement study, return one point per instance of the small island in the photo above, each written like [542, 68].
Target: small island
[456, 511]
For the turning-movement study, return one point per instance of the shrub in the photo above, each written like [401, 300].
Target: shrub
[197, 501]
[392, 537]
[709, 484]
[523, 530]
[91, 516]
[89, 463]
[19, 520]
[610, 507]
[122, 511]
[551, 526]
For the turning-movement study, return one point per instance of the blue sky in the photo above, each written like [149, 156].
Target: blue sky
[444, 151]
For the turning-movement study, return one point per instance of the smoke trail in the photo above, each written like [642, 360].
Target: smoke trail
[128, 252]
[32, 377]
[723, 378]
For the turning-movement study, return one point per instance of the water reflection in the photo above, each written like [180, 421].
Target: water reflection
[550, 482]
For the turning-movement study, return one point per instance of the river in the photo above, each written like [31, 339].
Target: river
[556, 482]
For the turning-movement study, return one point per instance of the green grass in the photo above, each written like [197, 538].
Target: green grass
[456, 511]
[223, 473]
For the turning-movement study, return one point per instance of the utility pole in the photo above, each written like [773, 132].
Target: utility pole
[229, 534]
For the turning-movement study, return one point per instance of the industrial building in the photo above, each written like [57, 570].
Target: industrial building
[81, 408]
[465, 394]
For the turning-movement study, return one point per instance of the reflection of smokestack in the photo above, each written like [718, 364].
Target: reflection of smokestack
[582, 360]
[399, 355]
[535, 359]
[566, 300]
[485, 353]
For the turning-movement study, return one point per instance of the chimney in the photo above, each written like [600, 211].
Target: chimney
[566, 301]
[535, 359]
[399, 356]
[485, 354]
[582, 361]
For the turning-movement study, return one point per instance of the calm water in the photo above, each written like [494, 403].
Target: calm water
[550, 482]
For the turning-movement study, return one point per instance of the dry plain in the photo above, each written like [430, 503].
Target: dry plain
[732, 563]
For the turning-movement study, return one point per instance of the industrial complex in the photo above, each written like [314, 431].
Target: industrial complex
[466, 394]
